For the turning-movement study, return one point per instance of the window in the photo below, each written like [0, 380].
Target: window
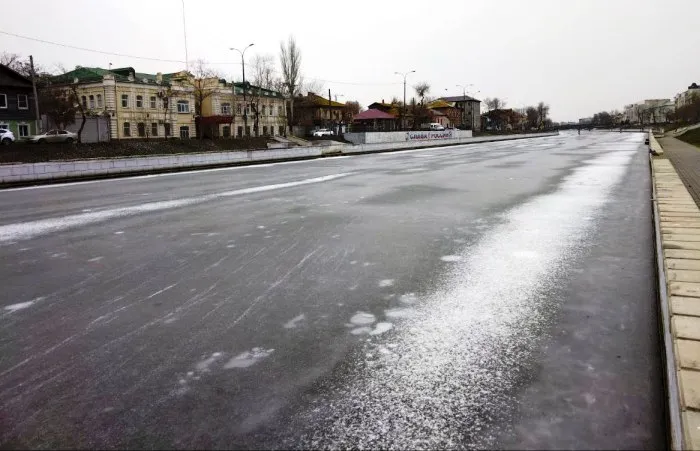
[22, 102]
[183, 106]
[279, 110]
[272, 112]
[247, 111]
[165, 103]
[239, 131]
[125, 101]
[127, 129]
[3, 100]
[264, 130]
[92, 102]
[247, 131]
[154, 129]
[227, 131]
[238, 108]
[272, 130]
[99, 101]
[141, 128]
[280, 130]
[263, 111]
[184, 131]
[83, 101]
[226, 109]
[23, 130]
[139, 101]
[4, 127]
[166, 130]
[153, 102]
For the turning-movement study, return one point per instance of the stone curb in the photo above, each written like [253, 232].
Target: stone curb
[677, 231]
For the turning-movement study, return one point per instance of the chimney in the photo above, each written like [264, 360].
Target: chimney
[159, 77]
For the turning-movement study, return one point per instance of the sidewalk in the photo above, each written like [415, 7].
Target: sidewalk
[678, 227]
[686, 160]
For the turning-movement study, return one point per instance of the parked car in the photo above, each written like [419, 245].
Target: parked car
[55, 136]
[6, 137]
[322, 132]
[433, 126]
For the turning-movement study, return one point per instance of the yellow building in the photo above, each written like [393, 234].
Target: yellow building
[138, 105]
[226, 113]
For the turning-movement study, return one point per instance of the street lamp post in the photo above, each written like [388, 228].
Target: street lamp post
[233, 90]
[403, 115]
[464, 101]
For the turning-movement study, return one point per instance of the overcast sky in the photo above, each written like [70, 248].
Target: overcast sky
[580, 56]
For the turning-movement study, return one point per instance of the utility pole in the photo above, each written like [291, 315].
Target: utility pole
[245, 102]
[403, 114]
[184, 32]
[330, 108]
[36, 97]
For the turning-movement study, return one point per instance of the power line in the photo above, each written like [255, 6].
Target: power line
[44, 41]
[90, 50]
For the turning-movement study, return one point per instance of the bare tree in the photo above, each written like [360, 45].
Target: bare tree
[264, 71]
[59, 104]
[422, 89]
[542, 114]
[494, 103]
[311, 85]
[204, 81]
[531, 116]
[290, 61]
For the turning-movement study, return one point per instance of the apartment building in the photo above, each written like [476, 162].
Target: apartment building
[138, 105]
[226, 112]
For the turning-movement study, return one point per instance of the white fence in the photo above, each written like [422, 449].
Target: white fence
[406, 136]
[86, 168]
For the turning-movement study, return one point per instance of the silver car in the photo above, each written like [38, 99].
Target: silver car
[55, 136]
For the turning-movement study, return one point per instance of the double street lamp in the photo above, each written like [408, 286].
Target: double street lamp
[464, 100]
[233, 89]
[403, 115]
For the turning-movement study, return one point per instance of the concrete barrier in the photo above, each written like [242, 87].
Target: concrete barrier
[32, 172]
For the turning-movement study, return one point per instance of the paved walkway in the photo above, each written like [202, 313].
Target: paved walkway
[686, 160]
[679, 219]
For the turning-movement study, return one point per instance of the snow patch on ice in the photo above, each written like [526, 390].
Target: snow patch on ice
[362, 318]
[206, 363]
[380, 328]
[95, 259]
[399, 312]
[292, 323]
[364, 330]
[386, 283]
[451, 258]
[248, 358]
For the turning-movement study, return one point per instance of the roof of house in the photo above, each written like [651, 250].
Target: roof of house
[312, 99]
[439, 103]
[372, 114]
[437, 112]
[121, 74]
[459, 99]
[19, 79]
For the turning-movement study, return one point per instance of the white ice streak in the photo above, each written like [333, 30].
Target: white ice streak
[458, 360]
[31, 229]
[19, 306]
[292, 323]
[248, 358]
[386, 283]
